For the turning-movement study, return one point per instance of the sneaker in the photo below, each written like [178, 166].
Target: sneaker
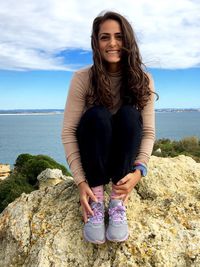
[94, 228]
[117, 230]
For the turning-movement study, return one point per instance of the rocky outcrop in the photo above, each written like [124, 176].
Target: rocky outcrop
[44, 228]
[4, 171]
[51, 177]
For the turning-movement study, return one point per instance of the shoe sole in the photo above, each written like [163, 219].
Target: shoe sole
[117, 240]
[98, 242]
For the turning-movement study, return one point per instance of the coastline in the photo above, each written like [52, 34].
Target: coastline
[59, 112]
[27, 114]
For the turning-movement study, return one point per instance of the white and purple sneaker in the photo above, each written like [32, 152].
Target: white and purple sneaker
[117, 230]
[94, 228]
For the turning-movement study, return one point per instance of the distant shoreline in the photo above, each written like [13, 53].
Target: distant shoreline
[177, 110]
[29, 114]
[58, 112]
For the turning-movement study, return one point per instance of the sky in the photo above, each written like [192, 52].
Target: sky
[42, 43]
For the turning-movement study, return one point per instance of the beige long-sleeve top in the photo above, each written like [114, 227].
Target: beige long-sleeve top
[76, 106]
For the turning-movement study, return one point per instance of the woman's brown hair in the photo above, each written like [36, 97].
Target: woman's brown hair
[135, 82]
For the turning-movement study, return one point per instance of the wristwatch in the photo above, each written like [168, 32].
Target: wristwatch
[140, 166]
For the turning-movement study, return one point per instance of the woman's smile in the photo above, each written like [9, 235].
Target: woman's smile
[113, 51]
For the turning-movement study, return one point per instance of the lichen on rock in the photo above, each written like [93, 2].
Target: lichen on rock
[44, 228]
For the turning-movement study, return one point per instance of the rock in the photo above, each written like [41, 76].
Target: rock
[44, 228]
[50, 177]
[4, 171]
[158, 151]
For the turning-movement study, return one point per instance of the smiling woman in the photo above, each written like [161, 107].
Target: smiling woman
[108, 128]
[110, 44]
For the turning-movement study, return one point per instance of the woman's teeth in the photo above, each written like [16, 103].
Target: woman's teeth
[112, 52]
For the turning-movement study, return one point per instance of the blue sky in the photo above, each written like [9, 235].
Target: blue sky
[43, 43]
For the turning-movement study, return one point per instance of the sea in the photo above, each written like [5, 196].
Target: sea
[41, 133]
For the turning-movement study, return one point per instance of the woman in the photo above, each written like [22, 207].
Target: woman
[108, 129]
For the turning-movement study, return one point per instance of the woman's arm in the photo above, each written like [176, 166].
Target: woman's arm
[74, 108]
[148, 135]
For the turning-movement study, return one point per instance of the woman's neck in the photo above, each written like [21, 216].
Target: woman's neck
[113, 68]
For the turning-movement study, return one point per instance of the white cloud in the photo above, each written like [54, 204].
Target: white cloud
[34, 32]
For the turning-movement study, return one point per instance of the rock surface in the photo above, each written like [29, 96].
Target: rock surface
[50, 177]
[4, 171]
[44, 228]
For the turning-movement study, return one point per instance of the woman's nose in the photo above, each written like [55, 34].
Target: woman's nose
[112, 41]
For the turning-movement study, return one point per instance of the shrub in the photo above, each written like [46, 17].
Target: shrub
[12, 187]
[21, 160]
[160, 142]
[189, 146]
[54, 163]
[166, 146]
[190, 143]
[31, 166]
[24, 176]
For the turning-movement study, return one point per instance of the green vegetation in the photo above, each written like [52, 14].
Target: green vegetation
[31, 166]
[189, 146]
[24, 176]
[12, 187]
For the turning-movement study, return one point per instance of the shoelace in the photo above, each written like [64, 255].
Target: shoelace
[117, 213]
[97, 208]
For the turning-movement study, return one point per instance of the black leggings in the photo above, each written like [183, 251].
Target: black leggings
[108, 143]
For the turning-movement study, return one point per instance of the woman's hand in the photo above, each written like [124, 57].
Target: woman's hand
[124, 186]
[85, 193]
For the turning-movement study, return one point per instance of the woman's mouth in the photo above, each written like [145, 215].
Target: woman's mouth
[113, 51]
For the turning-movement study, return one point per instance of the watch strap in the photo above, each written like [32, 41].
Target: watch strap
[140, 166]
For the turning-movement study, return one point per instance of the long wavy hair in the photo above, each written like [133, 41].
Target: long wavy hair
[135, 82]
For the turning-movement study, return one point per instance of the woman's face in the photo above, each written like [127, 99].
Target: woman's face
[110, 43]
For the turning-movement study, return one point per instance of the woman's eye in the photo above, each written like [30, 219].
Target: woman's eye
[119, 37]
[103, 37]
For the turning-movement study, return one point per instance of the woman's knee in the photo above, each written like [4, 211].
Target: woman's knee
[96, 119]
[129, 113]
[97, 113]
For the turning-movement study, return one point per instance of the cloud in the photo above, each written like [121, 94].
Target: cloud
[34, 33]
